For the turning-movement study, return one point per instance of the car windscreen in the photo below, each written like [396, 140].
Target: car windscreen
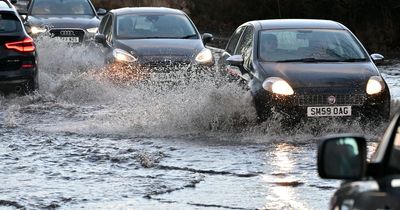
[155, 26]
[9, 23]
[4, 5]
[309, 45]
[62, 7]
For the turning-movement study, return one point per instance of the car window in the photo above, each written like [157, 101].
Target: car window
[9, 24]
[155, 26]
[394, 161]
[230, 48]
[62, 7]
[288, 44]
[246, 41]
[4, 5]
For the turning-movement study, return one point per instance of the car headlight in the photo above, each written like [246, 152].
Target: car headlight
[204, 57]
[123, 56]
[375, 85]
[92, 30]
[278, 86]
[38, 30]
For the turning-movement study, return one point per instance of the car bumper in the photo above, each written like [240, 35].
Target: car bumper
[294, 107]
[17, 78]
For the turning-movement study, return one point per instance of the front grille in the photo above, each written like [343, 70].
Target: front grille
[322, 100]
[166, 65]
[62, 32]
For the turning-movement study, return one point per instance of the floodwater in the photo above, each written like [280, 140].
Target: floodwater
[84, 142]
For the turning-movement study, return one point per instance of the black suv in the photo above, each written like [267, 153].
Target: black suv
[73, 21]
[18, 58]
[373, 184]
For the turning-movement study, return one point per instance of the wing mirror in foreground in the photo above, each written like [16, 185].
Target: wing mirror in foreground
[377, 58]
[342, 157]
[207, 38]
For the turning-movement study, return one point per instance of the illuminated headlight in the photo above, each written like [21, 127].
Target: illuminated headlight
[204, 57]
[375, 85]
[38, 30]
[278, 86]
[92, 30]
[123, 56]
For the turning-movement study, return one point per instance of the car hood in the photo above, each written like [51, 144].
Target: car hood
[77, 21]
[300, 75]
[162, 47]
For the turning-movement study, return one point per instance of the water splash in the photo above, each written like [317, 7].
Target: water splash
[77, 95]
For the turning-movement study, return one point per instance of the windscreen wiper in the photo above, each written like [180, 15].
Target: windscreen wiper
[353, 59]
[189, 36]
[308, 60]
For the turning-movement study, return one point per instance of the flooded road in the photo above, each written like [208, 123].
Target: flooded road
[83, 142]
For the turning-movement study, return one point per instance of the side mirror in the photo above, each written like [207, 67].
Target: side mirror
[235, 60]
[207, 38]
[101, 12]
[13, 1]
[100, 38]
[377, 58]
[342, 157]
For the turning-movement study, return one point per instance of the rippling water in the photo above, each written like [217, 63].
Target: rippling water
[83, 141]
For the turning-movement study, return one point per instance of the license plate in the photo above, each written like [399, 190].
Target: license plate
[329, 111]
[166, 76]
[68, 39]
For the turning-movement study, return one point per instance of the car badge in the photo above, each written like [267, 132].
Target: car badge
[331, 100]
[67, 33]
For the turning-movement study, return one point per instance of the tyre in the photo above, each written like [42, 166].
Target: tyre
[29, 87]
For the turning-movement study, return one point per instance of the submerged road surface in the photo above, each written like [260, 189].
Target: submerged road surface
[84, 142]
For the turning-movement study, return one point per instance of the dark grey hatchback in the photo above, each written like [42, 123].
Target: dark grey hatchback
[306, 69]
[154, 38]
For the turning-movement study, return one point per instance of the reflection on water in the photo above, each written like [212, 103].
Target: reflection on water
[283, 194]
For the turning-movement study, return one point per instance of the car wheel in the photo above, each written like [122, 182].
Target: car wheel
[263, 110]
[30, 87]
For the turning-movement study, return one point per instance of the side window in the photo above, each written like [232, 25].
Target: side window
[246, 41]
[103, 24]
[230, 48]
[108, 29]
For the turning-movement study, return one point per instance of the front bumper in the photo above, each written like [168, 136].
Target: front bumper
[295, 106]
[156, 71]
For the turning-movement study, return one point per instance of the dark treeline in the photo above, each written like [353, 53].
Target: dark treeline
[376, 23]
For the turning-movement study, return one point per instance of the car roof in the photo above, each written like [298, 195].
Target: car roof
[297, 24]
[144, 10]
